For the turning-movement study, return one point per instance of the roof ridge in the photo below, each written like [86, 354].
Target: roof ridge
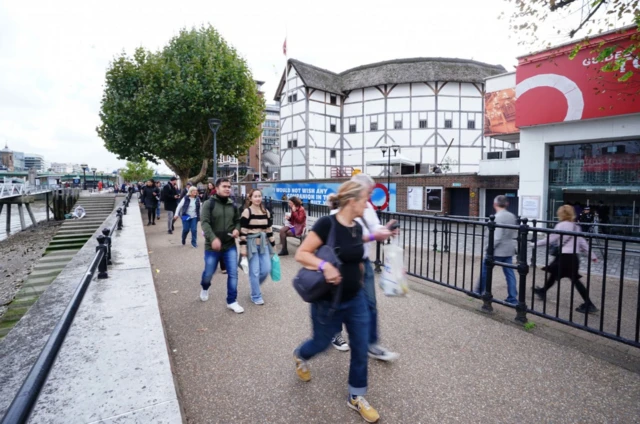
[313, 66]
[417, 60]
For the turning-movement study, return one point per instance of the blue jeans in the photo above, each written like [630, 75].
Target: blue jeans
[259, 270]
[158, 211]
[230, 258]
[508, 274]
[190, 225]
[370, 294]
[353, 313]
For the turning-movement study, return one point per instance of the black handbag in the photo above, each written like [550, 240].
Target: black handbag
[555, 249]
[310, 284]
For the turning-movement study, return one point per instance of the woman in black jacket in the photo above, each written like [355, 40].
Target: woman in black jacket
[149, 197]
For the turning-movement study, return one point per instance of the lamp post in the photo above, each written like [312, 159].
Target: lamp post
[386, 149]
[84, 173]
[214, 125]
[94, 176]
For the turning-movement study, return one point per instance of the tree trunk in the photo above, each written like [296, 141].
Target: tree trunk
[203, 172]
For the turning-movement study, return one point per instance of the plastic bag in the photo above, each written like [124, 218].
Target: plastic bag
[244, 264]
[393, 280]
[276, 273]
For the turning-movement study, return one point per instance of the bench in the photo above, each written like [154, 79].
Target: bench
[311, 221]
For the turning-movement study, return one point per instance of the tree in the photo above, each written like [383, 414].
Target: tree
[137, 171]
[156, 105]
[596, 16]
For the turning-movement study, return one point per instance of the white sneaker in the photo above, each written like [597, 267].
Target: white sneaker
[204, 295]
[235, 307]
[378, 352]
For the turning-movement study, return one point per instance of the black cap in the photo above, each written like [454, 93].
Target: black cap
[173, 179]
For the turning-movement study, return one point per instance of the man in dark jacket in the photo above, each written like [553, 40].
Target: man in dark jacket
[170, 197]
[149, 197]
[220, 221]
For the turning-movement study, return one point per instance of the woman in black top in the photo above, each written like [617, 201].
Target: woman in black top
[352, 310]
[149, 197]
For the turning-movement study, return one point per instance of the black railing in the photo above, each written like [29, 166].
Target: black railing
[26, 398]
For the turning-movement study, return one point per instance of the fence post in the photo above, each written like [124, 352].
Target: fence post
[378, 262]
[446, 234]
[435, 235]
[124, 207]
[102, 266]
[107, 242]
[489, 263]
[523, 270]
[119, 218]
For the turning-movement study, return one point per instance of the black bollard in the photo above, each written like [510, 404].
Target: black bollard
[378, 262]
[489, 263]
[106, 233]
[446, 230]
[102, 266]
[523, 270]
[119, 217]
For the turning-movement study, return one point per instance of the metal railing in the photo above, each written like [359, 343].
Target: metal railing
[26, 398]
[14, 190]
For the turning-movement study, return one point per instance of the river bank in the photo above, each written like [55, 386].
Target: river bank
[39, 212]
[18, 254]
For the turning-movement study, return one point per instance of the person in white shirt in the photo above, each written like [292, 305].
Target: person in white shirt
[372, 231]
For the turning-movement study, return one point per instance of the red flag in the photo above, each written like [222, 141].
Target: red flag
[284, 47]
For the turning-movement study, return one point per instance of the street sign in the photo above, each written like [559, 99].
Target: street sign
[456, 185]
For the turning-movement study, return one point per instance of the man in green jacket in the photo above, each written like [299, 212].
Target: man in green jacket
[221, 226]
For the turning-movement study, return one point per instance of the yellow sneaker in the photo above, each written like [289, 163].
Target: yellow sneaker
[361, 405]
[302, 368]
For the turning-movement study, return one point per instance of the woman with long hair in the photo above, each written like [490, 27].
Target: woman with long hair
[297, 223]
[149, 197]
[257, 242]
[567, 263]
[352, 308]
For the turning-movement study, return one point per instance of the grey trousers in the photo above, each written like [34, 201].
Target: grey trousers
[170, 220]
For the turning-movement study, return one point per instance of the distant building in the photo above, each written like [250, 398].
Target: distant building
[62, 168]
[32, 160]
[18, 161]
[271, 142]
[6, 158]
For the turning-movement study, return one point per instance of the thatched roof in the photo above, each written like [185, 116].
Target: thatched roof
[399, 71]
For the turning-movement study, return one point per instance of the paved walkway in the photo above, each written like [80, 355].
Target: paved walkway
[455, 365]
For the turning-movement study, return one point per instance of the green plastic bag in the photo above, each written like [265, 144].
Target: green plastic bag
[275, 268]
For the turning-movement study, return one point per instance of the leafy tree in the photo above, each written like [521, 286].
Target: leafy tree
[137, 171]
[596, 16]
[156, 105]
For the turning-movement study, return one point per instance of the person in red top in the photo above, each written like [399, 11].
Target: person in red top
[297, 222]
[99, 185]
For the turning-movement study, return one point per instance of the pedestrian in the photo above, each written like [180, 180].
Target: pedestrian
[284, 202]
[352, 308]
[504, 249]
[210, 191]
[567, 263]
[149, 197]
[297, 221]
[189, 211]
[372, 231]
[170, 197]
[185, 190]
[586, 219]
[159, 186]
[257, 242]
[100, 186]
[221, 226]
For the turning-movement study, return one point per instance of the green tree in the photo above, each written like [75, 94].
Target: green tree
[137, 171]
[156, 105]
[596, 16]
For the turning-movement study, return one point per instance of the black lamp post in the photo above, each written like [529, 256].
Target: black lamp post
[214, 125]
[384, 149]
[94, 176]
[84, 173]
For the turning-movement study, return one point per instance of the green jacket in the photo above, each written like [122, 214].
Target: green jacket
[220, 223]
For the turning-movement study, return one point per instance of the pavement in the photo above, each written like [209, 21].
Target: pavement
[456, 365]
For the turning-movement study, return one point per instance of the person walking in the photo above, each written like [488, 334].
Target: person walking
[297, 223]
[221, 226]
[352, 308]
[209, 191]
[185, 190]
[372, 231]
[159, 187]
[586, 219]
[170, 198]
[149, 198]
[189, 211]
[257, 242]
[567, 263]
[504, 249]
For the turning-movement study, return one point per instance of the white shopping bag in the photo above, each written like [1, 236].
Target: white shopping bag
[393, 280]
[244, 264]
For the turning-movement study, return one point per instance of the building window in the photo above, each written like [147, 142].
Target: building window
[333, 99]
[373, 126]
[288, 144]
[332, 154]
[448, 123]
[293, 97]
[471, 124]
[332, 128]
[397, 125]
[292, 143]
[352, 128]
[423, 123]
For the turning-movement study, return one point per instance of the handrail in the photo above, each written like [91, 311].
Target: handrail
[26, 398]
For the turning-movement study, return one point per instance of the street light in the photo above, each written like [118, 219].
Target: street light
[384, 149]
[84, 172]
[94, 176]
[214, 125]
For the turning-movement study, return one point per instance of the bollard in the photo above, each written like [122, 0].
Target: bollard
[102, 266]
[124, 207]
[119, 217]
[106, 233]
[435, 237]
[378, 262]
[489, 263]
[523, 270]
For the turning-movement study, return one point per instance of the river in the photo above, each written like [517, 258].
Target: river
[39, 211]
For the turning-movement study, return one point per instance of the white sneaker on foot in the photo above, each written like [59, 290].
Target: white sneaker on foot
[235, 307]
[204, 295]
[378, 352]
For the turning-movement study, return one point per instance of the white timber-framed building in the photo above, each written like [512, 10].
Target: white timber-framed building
[431, 108]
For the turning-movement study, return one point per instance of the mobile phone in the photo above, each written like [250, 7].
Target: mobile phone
[394, 226]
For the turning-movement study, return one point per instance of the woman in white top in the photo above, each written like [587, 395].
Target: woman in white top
[189, 211]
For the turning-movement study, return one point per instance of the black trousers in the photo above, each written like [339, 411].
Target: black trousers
[566, 266]
[151, 213]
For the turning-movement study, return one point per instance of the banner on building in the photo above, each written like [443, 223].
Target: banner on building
[500, 112]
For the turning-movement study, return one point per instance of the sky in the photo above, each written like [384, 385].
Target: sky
[53, 55]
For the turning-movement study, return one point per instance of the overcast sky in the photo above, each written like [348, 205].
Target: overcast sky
[53, 55]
